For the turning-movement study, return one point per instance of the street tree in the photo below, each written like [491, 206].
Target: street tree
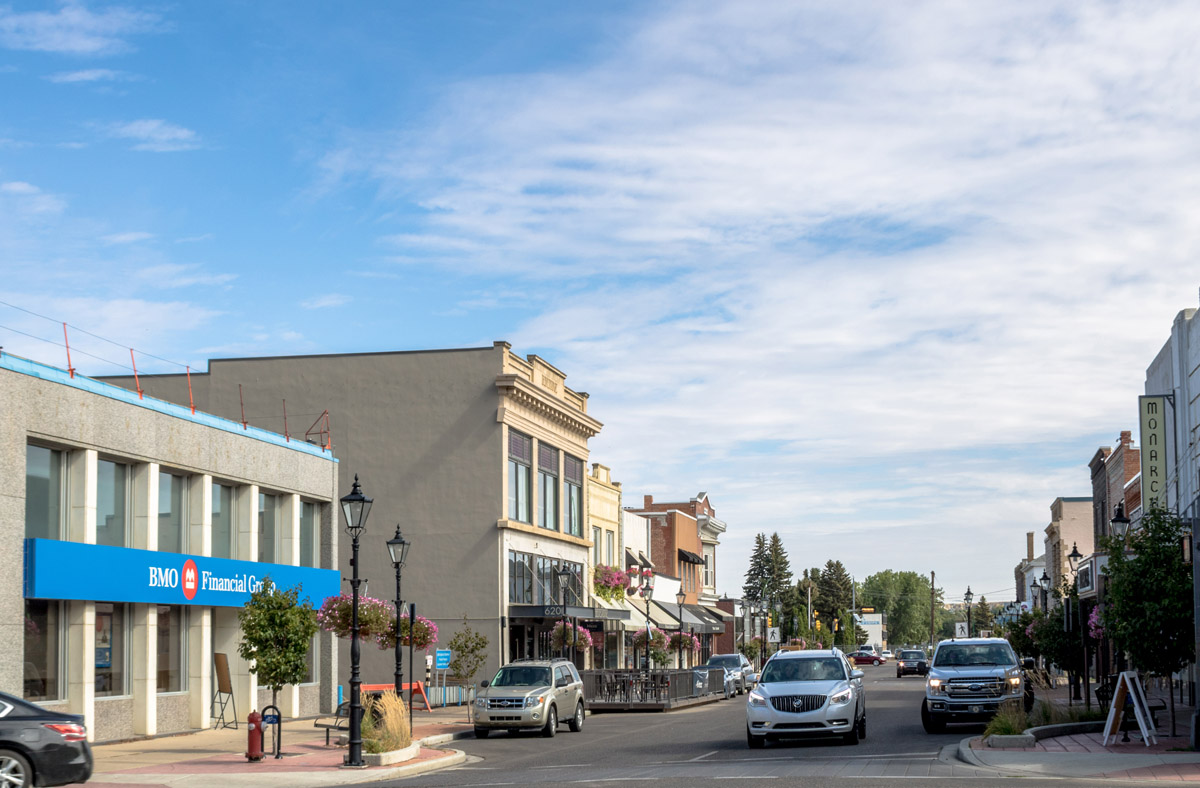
[780, 578]
[277, 631]
[758, 574]
[904, 597]
[834, 591]
[1148, 613]
[981, 615]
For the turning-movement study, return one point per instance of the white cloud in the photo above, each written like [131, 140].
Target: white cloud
[825, 260]
[127, 238]
[29, 200]
[75, 30]
[326, 301]
[156, 135]
[87, 75]
[173, 275]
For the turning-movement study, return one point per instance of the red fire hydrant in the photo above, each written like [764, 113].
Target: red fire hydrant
[254, 751]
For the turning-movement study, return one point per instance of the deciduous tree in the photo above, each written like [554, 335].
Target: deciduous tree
[277, 631]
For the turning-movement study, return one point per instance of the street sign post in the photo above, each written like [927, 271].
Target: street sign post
[960, 629]
[773, 635]
[442, 658]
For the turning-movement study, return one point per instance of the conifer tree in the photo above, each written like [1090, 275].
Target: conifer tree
[759, 572]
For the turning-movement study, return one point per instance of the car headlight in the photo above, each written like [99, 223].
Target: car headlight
[937, 686]
[531, 701]
[481, 702]
[840, 698]
[756, 699]
[1016, 685]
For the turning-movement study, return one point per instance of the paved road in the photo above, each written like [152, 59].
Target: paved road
[709, 743]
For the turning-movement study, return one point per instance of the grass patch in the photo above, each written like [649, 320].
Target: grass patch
[1053, 714]
[1010, 720]
[385, 723]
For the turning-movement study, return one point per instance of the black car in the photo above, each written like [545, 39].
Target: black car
[914, 661]
[41, 747]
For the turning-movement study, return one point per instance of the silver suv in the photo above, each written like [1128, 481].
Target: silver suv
[530, 695]
[807, 693]
[968, 681]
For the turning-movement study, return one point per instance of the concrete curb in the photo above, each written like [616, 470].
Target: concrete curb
[444, 738]
[1065, 729]
[1007, 741]
[966, 756]
[414, 769]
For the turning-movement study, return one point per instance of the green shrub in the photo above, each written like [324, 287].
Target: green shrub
[1010, 720]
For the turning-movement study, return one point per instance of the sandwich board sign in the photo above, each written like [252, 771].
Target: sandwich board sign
[1129, 688]
[960, 629]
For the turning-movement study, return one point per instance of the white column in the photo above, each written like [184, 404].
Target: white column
[81, 657]
[200, 515]
[144, 664]
[246, 524]
[145, 506]
[200, 671]
[81, 480]
[289, 553]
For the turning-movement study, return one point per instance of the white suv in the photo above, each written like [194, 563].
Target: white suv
[807, 693]
[968, 680]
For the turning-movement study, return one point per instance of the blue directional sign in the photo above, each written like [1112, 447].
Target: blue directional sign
[441, 658]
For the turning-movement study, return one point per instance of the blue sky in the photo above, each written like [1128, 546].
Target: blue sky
[878, 276]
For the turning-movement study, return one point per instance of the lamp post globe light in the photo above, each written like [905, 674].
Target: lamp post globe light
[1119, 523]
[967, 597]
[1034, 589]
[1045, 583]
[398, 548]
[679, 598]
[356, 507]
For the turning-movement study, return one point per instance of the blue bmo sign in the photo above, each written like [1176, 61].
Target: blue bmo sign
[70, 570]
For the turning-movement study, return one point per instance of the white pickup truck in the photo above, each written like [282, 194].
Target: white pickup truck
[968, 680]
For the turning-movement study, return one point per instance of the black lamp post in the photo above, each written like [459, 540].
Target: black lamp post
[398, 547]
[1045, 584]
[1034, 589]
[680, 597]
[647, 591]
[1074, 557]
[1119, 522]
[564, 575]
[355, 507]
[967, 597]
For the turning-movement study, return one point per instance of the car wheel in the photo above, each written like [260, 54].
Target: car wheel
[755, 742]
[899, 675]
[862, 727]
[875, 662]
[576, 723]
[481, 733]
[852, 736]
[930, 723]
[15, 769]
[551, 723]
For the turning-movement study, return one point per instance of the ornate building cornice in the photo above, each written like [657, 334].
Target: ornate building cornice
[521, 393]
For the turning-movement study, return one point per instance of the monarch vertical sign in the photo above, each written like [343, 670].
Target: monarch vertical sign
[1153, 423]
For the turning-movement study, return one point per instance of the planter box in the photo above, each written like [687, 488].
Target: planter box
[1015, 740]
[393, 756]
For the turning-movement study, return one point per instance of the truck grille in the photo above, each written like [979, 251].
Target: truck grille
[506, 703]
[976, 688]
[798, 704]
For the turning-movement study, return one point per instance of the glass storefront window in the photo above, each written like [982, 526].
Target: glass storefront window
[111, 673]
[520, 460]
[308, 534]
[43, 643]
[267, 516]
[172, 629]
[112, 503]
[43, 493]
[222, 521]
[170, 513]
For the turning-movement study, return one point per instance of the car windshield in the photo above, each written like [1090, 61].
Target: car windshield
[912, 655]
[805, 669]
[725, 662]
[522, 676]
[962, 654]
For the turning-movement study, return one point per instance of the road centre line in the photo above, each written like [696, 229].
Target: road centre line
[563, 766]
[701, 757]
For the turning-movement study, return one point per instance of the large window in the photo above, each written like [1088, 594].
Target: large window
[112, 503]
[595, 545]
[222, 521]
[43, 655]
[533, 580]
[43, 493]
[548, 487]
[111, 669]
[520, 578]
[709, 574]
[268, 516]
[609, 548]
[573, 473]
[520, 461]
[172, 645]
[170, 513]
[308, 535]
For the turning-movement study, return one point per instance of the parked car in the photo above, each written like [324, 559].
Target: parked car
[530, 695]
[737, 665]
[913, 661]
[866, 658]
[886, 654]
[968, 681]
[41, 747]
[807, 693]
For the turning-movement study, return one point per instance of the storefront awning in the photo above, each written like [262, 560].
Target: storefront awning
[689, 557]
[724, 615]
[637, 615]
[711, 623]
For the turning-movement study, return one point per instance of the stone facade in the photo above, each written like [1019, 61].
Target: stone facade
[1070, 525]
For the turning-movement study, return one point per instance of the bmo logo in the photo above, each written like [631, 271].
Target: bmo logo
[168, 577]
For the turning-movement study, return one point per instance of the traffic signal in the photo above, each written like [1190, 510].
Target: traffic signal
[818, 626]
[836, 625]
[769, 622]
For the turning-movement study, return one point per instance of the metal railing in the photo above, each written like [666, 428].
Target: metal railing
[653, 686]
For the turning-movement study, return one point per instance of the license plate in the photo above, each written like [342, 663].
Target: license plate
[975, 709]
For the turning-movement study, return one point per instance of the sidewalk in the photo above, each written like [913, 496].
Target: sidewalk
[194, 759]
[1085, 756]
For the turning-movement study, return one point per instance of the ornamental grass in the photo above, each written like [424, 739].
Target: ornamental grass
[385, 723]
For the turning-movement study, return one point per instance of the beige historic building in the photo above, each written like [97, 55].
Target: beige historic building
[1070, 526]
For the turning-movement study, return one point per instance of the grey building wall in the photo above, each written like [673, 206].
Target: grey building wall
[420, 429]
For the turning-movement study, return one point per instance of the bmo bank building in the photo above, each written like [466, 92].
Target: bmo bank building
[133, 532]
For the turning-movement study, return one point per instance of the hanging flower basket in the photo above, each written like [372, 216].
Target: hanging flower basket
[376, 621]
[1095, 627]
[609, 583]
[658, 643]
[682, 641]
[566, 634]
